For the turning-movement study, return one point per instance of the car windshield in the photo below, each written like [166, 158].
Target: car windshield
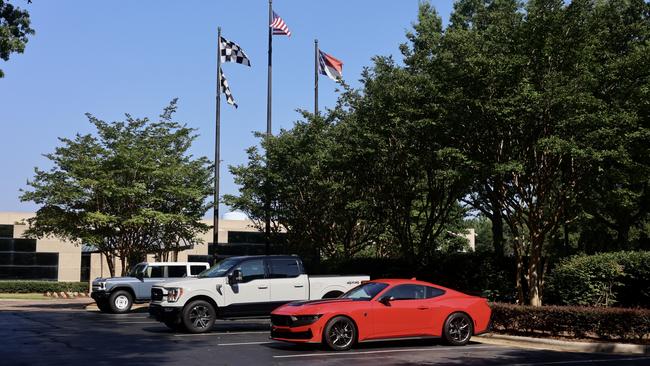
[219, 269]
[137, 269]
[365, 291]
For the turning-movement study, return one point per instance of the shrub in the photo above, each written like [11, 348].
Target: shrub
[605, 279]
[42, 286]
[572, 321]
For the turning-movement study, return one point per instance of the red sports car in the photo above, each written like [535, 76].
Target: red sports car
[380, 310]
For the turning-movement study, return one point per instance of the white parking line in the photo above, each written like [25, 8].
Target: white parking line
[383, 351]
[219, 333]
[243, 343]
[567, 362]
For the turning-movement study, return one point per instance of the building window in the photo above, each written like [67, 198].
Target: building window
[6, 231]
[19, 260]
[85, 267]
[252, 237]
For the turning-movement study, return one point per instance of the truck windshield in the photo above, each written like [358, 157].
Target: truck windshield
[365, 291]
[219, 269]
[137, 269]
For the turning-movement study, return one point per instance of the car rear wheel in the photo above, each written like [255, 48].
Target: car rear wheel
[458, 329]
[340, 333]
[120, 302]
[198, 316]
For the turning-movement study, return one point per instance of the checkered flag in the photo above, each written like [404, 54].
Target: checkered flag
[231, 52]
[226, 89]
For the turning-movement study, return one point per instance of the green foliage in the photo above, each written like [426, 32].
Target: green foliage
[602, 280]
[572, 321]
[129, 190]
[14, 29]
[42, 286]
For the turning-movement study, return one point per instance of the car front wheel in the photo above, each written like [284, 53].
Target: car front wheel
[198, 316]
[120, 301]
[340, 333]
[458, 329]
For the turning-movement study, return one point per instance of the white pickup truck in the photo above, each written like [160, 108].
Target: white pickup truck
[249, 286]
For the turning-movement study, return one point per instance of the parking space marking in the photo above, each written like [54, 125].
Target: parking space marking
[243, 343]
[568, 362]
[383, 351]
[219, 333]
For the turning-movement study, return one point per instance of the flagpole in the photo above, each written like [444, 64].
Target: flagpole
[316, 76]
[217, 146]
[267, 204]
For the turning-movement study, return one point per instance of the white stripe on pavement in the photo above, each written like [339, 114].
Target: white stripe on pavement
[219, 333]
[385, 351]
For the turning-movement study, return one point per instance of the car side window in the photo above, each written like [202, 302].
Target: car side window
[194, 270]
[284, 268]
[155, 272]
[252, 270]
[176, 271]
[407, 292]
[433, 292]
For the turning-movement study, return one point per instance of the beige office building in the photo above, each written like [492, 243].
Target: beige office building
[55, 259]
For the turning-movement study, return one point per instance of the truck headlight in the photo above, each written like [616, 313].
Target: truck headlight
[173, 294]
[300, 320]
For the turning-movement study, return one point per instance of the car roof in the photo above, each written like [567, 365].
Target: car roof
[412, 281]
[173, 263]
[276, 256]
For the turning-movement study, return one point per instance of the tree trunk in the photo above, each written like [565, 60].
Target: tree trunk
[110, 262]
[534, 273]
[497, 232]
[519, 258]
[124, 263]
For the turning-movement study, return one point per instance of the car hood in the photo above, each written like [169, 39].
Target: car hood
[311, 306]
[116, 279]
[191, 282]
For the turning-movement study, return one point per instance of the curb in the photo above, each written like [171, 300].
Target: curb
[555, 344]
[93, 307]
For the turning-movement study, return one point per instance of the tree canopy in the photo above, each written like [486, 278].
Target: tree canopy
[128, 190]
[14, 29]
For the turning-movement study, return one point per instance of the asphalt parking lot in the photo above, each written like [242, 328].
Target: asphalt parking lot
[53, 333]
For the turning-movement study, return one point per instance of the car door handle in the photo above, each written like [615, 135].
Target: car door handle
[298, 286]
[423, 308]
[262, 287]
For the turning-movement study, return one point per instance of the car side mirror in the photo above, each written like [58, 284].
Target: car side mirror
[386, 300]
[236, 277]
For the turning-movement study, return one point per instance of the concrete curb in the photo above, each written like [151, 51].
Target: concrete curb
[93, 307]
[555, 344]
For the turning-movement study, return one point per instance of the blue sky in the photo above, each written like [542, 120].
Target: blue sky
[114, 57]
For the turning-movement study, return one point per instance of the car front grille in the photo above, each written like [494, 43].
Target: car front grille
[156, 294]
[281, 320]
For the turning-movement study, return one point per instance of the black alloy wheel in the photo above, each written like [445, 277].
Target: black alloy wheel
[198, 316]
[340, 333]
[458, 329]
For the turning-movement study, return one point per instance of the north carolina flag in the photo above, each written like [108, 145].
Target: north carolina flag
[330, 66]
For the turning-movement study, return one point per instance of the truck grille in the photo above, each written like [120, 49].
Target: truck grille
[156, 294]
[281, 320]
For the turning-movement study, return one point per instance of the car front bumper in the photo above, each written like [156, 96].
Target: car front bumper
[164, 313]
[100, 295]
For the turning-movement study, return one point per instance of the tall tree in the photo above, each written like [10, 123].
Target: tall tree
[129, 190]
[14, 29]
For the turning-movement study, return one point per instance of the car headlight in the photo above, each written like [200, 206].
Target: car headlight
[173, 294]
[100, 285]
[300, 320]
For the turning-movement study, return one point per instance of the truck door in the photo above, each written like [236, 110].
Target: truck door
[250, 297]
[288, 283]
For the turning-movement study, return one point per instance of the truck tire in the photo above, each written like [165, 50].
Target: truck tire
[198, 316]
[102, 305]
[120, 301]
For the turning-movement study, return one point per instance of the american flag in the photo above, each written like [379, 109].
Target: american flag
[279, 26]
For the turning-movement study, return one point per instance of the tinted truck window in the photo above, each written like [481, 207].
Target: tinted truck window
[176, 271]
[194, 270]
[284, 268]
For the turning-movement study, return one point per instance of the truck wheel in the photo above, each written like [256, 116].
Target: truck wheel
[103, 306]
[120, 302]
[340, 333]
[198, 316]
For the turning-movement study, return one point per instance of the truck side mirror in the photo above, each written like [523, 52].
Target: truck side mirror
[235, 277]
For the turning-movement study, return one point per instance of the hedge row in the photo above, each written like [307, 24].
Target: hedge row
[42, 286]
[632, 325]
[618, 278]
